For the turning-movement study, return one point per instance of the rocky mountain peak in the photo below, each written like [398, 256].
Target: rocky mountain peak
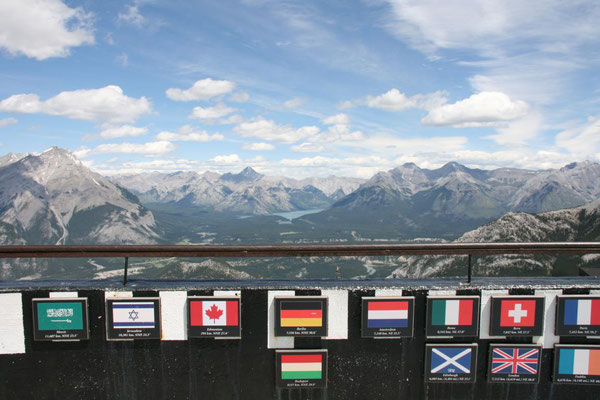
[248, 174]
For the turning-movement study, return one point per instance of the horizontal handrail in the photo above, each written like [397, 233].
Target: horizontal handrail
[304, 250]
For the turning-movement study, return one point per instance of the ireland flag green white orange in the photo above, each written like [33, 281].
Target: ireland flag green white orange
[301, 366]
[451, 312]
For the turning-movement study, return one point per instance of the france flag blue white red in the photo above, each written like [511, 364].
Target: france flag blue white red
[387, 314]
[582, 312]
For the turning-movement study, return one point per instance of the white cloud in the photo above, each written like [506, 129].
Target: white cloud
[527, 49]
[43, 29]
[308, 147]
[338, 119]
[105, 104]
[395, 101]
[132, 15]
[269, 130]
[188, 133]
[226, 159]
[294, 103]
[204, 89]
[583, 140]
[258, 146]
[123, 59]
[150, 148]
[218, 111]
[478, 110]
[122, 131]
[239, 97]
[7, 121]
[232, 119]
[519, 131]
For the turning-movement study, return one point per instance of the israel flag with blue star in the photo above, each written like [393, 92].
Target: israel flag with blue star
[134, 314]
[451, 360]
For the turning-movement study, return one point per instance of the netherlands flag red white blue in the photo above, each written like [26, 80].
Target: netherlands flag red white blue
[387, 314]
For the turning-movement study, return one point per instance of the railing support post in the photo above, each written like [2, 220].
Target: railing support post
[470, 269]
[125, 271]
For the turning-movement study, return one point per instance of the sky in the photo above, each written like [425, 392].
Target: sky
[301, 88]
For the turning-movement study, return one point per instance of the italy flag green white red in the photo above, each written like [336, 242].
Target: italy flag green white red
[451, 312]
[301, 366]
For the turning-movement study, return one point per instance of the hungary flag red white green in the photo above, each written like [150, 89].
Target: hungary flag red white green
[301, 366]
[214, 313]
[451, 312]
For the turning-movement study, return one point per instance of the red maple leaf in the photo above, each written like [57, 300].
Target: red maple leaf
[214, 313]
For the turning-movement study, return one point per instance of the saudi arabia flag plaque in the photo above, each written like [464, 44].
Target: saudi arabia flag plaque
[301, 369]
[217, 317]
[133, 318]
[452, 316]
[301, 316]
[64, 319]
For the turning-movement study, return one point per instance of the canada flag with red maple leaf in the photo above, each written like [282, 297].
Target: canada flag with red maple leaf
[214, 313]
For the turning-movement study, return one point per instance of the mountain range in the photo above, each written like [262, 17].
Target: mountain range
[52, 198]
[578, 224]
[409, 201]
[247, 192]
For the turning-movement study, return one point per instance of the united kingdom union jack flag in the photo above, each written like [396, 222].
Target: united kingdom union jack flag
[515, 360]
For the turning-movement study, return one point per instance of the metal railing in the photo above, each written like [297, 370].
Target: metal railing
[316, 250]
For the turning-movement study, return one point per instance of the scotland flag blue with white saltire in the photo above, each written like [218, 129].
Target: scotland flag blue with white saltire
[451, 360]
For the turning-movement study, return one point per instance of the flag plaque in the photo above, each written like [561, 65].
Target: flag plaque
[577, 364]
[387, 317]
[301, 316]
[133, 318]
[450, 363]
[63, 319]
[301, 369]
[517, 316]
[214, 317]
[577, 315]
[452, 316]
[514, 363]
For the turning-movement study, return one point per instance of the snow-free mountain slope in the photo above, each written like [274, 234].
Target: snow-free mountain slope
[52, 198]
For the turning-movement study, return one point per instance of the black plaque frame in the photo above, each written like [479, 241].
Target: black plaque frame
[568, 378]
[496, 309]
[300, 383]
[514, 377]
[60, 335]
[113, 333]
[224, 332]
[562, 329]
[445, 377]
[453, 330]
[386, 332]
[301, 330]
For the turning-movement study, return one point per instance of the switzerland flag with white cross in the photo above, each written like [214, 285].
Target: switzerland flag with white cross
[517, 313]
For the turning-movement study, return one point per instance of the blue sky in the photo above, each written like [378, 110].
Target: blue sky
[301, 88]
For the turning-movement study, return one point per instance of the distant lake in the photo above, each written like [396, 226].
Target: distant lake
[290, 215]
